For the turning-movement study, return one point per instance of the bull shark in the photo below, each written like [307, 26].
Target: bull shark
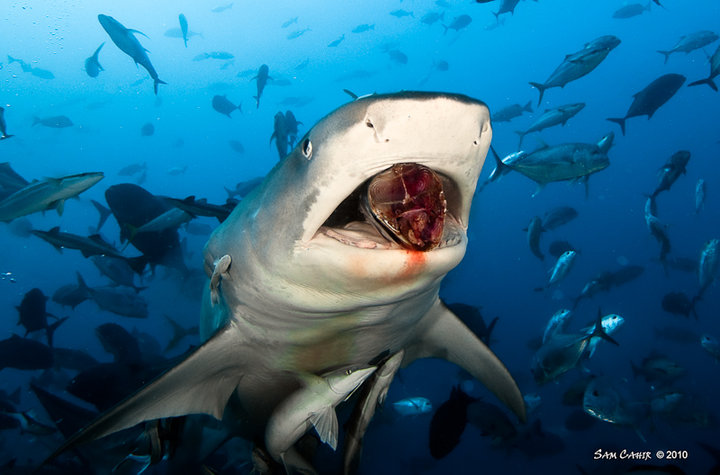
[124, 39]
[303, 288]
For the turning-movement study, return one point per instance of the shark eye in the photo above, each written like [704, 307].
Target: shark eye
[307, 148]
[369, 123]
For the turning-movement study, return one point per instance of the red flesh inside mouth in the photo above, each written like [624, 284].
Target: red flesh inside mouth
[408, 200]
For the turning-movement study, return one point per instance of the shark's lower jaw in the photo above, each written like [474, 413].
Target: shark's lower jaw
[403, 207]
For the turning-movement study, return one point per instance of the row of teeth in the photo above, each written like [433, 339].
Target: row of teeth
[451, 239]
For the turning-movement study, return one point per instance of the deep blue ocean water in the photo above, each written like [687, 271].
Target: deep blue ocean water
[488, 61]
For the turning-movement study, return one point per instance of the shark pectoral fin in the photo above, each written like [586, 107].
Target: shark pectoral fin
[202, 383]
[326, 424]
[445, 336]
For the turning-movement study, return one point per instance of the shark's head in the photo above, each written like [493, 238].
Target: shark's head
[303, 224]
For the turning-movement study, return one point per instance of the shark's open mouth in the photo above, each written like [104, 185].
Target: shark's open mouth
[404, 206]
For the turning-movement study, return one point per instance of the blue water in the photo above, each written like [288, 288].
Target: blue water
[498, 273]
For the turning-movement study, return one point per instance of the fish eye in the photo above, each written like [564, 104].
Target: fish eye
[307, 148]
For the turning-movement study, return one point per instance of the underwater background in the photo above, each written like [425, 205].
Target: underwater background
[492, 59]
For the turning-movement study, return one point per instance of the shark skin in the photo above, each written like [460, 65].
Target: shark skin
[301, 294]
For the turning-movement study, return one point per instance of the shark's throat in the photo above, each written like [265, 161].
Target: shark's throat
[408, 203]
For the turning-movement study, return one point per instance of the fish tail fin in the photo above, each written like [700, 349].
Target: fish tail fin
[500, 167]
[666, 54]
[708, 81]
[522, 136]
[137, 264]
[104, 214]
[446, 29]
[81, 282]
[620, 122]
[528, 107]
[51, 330]
[540, 87]
[599, 331]
[36, 120]
[156, 82]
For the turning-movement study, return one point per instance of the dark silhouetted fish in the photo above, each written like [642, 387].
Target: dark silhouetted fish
[88, 246]
[25, 354]
[508, 113]
[179, 333]
[363, 28]
[92, 64]
[534, 231]
[55, 122]
[3, 125]
[551, 117]
[73, 359]
[448, 423]
[629, 11]
[398, 56]
[288, 22]
[506, 6]
[691, 42]
[222, 55]
[714, 71]
[491, 421]
[119, 301]
[280, 134]
[558, 216]
[578, 64]
[120, 271]
[128, 44]
[672, 170]
[200, 207]
[336, 42]
[237, 146]
[262, 78]
[222, 8]
[183, 28]
[678, 303]
[133, 169]
[147, 130]
[473, 319]
[68, 417]
[119, 343]
[458, 23]
[33, 316]
[649, 100]
[132, 205]
[70, 295]
[291, 127]
[244, 187]
[224, 106]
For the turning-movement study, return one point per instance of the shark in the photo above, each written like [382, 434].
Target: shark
[309, 299]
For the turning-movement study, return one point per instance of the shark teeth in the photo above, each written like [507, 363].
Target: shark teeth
[364, 235]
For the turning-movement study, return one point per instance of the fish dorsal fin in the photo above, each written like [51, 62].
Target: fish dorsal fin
[326, 424]
[202, 383]
[443, 335]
